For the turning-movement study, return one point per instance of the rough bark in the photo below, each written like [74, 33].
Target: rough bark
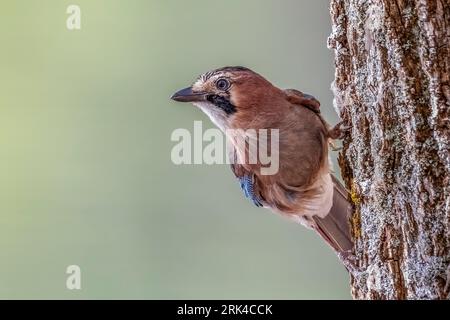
[392, 86]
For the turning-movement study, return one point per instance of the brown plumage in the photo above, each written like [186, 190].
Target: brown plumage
[303, 189]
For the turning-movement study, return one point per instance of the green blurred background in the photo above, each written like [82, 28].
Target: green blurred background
[86, 176]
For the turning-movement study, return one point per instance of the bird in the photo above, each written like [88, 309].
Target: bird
[304, 188]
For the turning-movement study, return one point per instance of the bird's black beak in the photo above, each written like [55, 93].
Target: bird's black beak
[187, 95]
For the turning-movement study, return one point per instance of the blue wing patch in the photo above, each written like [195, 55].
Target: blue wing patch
[308, 96]
[247, 186]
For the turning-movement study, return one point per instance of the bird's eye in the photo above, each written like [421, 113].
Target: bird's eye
[222, 84]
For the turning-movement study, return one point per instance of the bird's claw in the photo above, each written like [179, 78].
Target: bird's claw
[339, 131]
[350, 262]
[336, 149]
[333, 146]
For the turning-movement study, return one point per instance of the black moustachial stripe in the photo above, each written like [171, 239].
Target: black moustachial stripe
[223, 103]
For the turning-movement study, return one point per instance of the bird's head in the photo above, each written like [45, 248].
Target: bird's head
[223, 93]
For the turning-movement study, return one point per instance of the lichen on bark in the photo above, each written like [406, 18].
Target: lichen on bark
[392, 86]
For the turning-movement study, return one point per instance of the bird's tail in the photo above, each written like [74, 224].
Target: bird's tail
[335, 227]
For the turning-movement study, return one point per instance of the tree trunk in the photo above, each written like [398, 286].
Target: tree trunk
[392, 86]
